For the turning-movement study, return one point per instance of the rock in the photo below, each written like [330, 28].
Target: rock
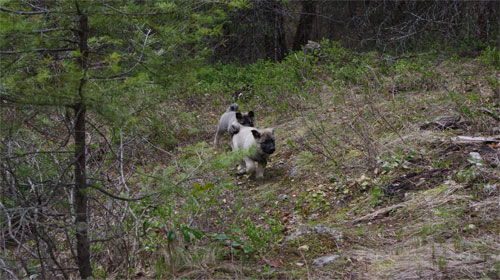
[476, 159]
[304, 248]
[294, 172]
[282, 197]
[470, 227]
[490, 187]
[325, 260]
[362, 179]
[317, 229]
[314, 216]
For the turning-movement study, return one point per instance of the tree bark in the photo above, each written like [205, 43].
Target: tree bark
[81, 199]
[305, 26]
[482, 21]
[274, 37]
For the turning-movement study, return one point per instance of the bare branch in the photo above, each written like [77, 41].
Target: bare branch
[119, 197]
[23, 12]
[38, 152]
[489, 113]
[47, 30]
[38, 50]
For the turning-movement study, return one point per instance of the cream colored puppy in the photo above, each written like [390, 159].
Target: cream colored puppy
[226, 120]
[259, 144]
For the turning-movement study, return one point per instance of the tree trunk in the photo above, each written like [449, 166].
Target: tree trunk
[81, 199]
[353, 6]
[274, 36]
[482, 21]
[305, 26]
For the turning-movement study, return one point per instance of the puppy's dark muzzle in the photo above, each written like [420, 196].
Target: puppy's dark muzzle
[269, 150]
[250, 124]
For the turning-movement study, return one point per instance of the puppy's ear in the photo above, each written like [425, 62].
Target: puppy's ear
[250, 114]
[256, 134]
[238, 116]
[272, 130]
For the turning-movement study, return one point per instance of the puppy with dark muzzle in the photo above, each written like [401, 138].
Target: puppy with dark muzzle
[259, 145]
[228, 118]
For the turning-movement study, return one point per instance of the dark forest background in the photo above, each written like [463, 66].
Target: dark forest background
[271, 29]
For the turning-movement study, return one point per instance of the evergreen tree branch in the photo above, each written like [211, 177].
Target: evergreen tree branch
[133, 66]
[127, 13]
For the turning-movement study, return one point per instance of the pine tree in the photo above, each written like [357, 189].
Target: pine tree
[78, 59]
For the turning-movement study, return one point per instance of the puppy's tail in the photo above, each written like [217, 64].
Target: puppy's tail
[232, 108]
[234, 129]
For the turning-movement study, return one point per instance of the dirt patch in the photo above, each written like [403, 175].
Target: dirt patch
[457, 154]
[415, 181]
[446, 123]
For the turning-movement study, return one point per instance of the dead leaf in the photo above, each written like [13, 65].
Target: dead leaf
[274, 263]
[494, 145]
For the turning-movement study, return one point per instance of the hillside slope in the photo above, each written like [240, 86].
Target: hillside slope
[374, 174]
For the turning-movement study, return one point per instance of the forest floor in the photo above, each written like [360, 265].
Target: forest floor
[429, 208]
[403, 184]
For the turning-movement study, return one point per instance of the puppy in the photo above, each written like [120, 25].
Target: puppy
[260, 145]
[228, 118]
[310, 48]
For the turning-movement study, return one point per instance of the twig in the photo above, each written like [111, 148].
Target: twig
[103, 137]
[158, 148]
[489, 113]
[38, 152]
[121, 198]
[133, 66]
[122, 175]
[11, 235]
[4, 268]
[305, 263]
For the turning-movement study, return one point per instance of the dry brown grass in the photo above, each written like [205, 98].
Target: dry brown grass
[431, 261]
[430, 248]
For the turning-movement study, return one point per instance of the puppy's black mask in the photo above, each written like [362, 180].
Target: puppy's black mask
[245, 119]
[268, 146]
[266, 141]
